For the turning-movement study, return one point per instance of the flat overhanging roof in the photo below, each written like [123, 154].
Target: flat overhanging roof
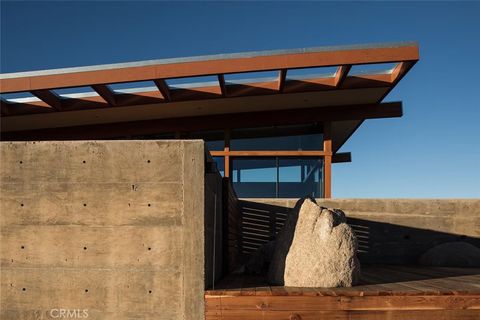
[49, 111]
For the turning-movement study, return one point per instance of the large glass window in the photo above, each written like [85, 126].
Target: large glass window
[277, 177]
[300, 177]
[255, 177]
[220, 161]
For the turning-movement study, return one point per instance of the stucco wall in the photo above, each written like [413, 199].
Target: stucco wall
[393, 231]
[112, 227]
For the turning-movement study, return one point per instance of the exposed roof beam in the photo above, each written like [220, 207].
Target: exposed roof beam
[215, 122]
[341, 75]
[401, 70]
[222, 84]
[202, 93]
[106, 93]
[162, 86]
[282, 76]
[342, 157]
[209, 65]
[49, 97]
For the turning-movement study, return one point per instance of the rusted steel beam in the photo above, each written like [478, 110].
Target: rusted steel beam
[106, 93]
[341, 75]
[164, 89]
[202, 93]
[222, 84]
[269, 153]
[327, 160]
[401, 70]
[341, 157]
[282, 76]
[49, 97]
[209, 65]
[214, 122]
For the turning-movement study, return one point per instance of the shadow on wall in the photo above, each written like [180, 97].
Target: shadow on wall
[379, 242]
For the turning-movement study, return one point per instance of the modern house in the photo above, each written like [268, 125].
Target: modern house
[133, 190]
[273, 121]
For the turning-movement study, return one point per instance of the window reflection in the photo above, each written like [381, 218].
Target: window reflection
[277, 177]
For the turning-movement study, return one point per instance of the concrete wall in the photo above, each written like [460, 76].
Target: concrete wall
[112, 227]
[213, 225]
[392, 231]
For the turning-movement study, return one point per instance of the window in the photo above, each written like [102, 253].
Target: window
[220, 165]
[277, 177]
[255, 177]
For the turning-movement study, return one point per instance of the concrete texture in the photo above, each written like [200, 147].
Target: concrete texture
[112, 227]
[213, 227]
[396, 231]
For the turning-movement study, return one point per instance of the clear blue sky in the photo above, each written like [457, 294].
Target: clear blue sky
[433, 151]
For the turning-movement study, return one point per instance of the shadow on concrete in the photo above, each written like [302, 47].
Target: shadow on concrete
[380, 244]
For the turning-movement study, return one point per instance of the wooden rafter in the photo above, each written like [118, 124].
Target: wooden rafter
[163, 88]
[106, 93]
[341, 75]
[49, 97]
[202, 93]
[282, 76]
[400, 71]
[222, 84]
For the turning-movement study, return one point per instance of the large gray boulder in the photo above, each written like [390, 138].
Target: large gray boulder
[316, 248]
[452, 254]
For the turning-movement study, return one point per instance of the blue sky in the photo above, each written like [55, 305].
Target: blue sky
[433, 151]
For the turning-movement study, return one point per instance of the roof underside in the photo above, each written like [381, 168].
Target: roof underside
[296, 85]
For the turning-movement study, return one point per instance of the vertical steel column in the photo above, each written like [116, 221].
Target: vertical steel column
[327, 162]
[226, 149]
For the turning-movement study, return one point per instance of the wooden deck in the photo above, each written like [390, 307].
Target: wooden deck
[386, 292]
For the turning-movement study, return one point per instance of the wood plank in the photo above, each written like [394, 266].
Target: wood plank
[278, 291]
[304, 303]
[387, 288]
[397, 280]
[263, 291]
[440, 280]
[349, 315]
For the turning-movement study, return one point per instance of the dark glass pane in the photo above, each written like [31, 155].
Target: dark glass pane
[300, 177]
[214, 140]
[255, 178]
[310, 141]
[216, 145]
[220, 165]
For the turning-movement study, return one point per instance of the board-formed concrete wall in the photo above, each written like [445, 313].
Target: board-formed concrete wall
[390, 231]
[104, 229]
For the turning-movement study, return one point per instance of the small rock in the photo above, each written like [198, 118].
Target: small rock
[452, 254]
